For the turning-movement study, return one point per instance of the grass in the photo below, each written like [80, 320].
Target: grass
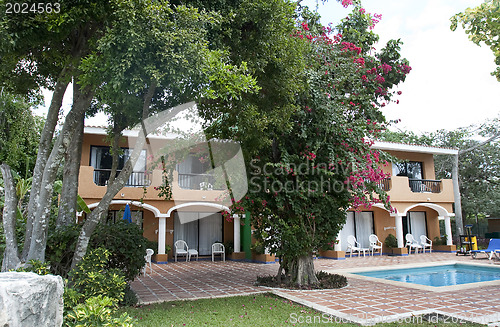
[254, 311]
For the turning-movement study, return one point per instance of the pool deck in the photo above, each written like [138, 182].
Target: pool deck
[363, 301]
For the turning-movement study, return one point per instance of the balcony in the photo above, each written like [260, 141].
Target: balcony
[92, 185]
[424, 185]
[401, 188]
[198, 182]
[136, 179]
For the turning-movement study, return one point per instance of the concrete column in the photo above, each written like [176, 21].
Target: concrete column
[447, 228]
[162, 229]
[399, 230]
[237, 238]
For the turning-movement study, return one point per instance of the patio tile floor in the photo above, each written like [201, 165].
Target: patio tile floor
[362, 301]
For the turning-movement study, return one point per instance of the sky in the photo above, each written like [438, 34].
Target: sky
[450, 85]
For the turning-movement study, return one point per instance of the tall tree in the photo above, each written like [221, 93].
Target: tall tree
[313, 171]
[482, 23]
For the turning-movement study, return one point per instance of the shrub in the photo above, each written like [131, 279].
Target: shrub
[391, 241]
[125, 242]
[37, 267]
[129, 297]
[61, 247]
[92, 277]
[96, 312]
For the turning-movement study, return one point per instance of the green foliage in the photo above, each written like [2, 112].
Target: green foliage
[93, 277]
[391, 242]
[482, 23]
[97, 311]
[126, 244]
[440, 240]
[36, 266]
[19, 133]
[61, 247]
[124, 241]
[129, 298]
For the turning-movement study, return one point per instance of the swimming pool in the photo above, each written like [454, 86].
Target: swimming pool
[438, 276]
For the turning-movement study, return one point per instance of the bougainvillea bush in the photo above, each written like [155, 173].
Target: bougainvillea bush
[301, 186]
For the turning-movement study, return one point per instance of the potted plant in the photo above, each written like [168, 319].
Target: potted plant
[391, 242]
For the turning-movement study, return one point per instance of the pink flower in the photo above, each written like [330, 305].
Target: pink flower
[346, 3]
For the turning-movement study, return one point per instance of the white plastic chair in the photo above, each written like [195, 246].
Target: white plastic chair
[147, 257]
[375, 244]
[426, 243]
[353, 245]
[218, 248]
[411, 243]
[181, 248]
[192, 252]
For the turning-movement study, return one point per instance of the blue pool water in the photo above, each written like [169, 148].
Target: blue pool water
[445, 275]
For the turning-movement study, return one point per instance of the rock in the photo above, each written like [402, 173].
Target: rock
[28, 299]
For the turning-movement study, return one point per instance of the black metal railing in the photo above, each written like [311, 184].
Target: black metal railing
[385, 184]
[136, 179]
[198, 182]
[425, 185]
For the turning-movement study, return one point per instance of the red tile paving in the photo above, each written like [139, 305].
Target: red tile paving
[362, 301]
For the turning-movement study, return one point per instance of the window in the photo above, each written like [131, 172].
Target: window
[200, 230]
[195, 173]
[415, 223]
[411, 169]
[359, 224]
[101, 160]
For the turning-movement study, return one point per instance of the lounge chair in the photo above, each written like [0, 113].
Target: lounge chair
[353, 245]
[492, 250]
[426, 243]
[411, 243]
[375, 244]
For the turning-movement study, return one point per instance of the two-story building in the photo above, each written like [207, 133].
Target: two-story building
[195, 214]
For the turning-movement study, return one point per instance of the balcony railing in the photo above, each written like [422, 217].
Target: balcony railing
[198, 182]
[425, 185]
[385, 184]
[136, 179]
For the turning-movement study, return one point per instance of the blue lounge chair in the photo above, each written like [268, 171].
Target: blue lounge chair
[493, 247]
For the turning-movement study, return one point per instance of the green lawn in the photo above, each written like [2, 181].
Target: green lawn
[254, 311]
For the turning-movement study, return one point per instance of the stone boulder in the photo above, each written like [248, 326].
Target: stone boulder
[28, 299]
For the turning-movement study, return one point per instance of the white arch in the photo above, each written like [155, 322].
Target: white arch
[146, 206]
[199, 204]
[381, 206]
[440, 210]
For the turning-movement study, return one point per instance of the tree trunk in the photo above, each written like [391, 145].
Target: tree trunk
[456, 194]
[115, 148]
[39, 234]
[11, 254]
[148, 126]
[44, 148]
[69, 192]
[302, 271]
